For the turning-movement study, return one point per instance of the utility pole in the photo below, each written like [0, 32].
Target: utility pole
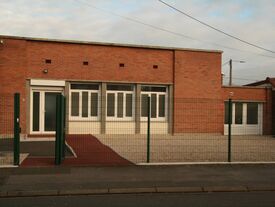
[230, 72]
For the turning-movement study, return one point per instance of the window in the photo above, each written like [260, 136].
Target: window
[36, 111]
[120, 102]
[244, 113]
[84, 102]
[252, 113]
[121, 65]
[158, 105]
[238, 113]
[48, 61]
[75, 104]
[226, 118]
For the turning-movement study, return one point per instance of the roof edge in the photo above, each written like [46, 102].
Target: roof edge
[107, 44]
[247, 87]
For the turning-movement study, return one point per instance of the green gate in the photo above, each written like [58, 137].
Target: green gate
[60, 145]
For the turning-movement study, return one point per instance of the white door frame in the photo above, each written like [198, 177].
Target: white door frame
[244, 128]
[42, 91]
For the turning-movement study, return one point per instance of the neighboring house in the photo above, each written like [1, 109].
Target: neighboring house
[268, 83]
[107, 85]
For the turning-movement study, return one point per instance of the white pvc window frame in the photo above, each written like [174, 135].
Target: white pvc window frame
[157, 118]
[89, 117]
[42, 91]
[124, 117]
[244, 128]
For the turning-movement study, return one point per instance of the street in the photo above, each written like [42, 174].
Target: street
[249, 199]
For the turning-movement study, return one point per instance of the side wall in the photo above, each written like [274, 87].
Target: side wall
[262, 95]
[13, 65]
[198, 105]
[22, 60]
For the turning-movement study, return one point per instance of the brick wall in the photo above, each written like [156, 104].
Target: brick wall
[198, 97]
[67, 62]
[25, 59]
[263, 95]
[13, 64]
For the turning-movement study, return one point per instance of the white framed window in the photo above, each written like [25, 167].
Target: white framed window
[158, 105]
[84, 102]
[120, 102]
[42, 109]
[243, 113]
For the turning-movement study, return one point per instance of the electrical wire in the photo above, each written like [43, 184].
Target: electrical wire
[214, 28]
[166, 30]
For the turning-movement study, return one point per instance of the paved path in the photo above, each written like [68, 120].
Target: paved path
[89, 151]
[136, 179]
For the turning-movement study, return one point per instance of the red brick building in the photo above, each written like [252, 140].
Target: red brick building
[107, 85]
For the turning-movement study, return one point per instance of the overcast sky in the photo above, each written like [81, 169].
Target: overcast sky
[251, 20]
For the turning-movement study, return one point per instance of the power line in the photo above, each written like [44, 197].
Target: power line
[166, 30]
[242, 79]
[214, 28]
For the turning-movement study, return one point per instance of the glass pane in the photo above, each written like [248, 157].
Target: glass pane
[252, 113]
[144, 105]
[50, 111]
[226, 113]
[84, 104]
[153, 105]
[153, 88]
[110, 104]
[36, 111]
[120, 105]
[85, 86]
[94, 104]
[120, 87]
[161, 105]
[238, 113]
[129, 105]
[75, 104]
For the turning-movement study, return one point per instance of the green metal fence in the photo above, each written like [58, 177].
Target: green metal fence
[9, 129]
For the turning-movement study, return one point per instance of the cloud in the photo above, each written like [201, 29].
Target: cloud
[251, 20]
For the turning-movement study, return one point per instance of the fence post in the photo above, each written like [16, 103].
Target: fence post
[58, 130]
[63, 127]
[229, 128]
[148, 127]
[16, 130]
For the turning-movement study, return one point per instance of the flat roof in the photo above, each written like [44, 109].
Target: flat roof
[107, 44]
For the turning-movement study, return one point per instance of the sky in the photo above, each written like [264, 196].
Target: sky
[101, 21]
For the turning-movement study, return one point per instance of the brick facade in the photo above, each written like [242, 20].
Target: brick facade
[195, 76]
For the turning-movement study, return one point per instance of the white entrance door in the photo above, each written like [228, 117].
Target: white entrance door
[43, 110]
[247, 119]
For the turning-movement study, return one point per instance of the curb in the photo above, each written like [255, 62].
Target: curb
[102, 191]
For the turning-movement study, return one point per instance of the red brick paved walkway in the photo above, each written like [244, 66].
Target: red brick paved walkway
[89, 150]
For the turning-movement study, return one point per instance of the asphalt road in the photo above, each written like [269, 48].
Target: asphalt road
[249, 199]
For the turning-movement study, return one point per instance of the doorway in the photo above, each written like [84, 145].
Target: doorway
[43, 110]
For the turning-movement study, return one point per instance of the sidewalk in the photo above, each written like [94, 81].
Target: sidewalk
[135, 179]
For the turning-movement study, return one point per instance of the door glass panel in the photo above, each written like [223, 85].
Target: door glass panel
[161, 105]
[144, 105]
[36, 111]
[252, 113]
[110, 104]
[75, 104]
[129, 105]
[94, 104]
[238, 113]
[50, 111]
[153, 105]
[84, 104]
[120, 105]
[226, 114]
